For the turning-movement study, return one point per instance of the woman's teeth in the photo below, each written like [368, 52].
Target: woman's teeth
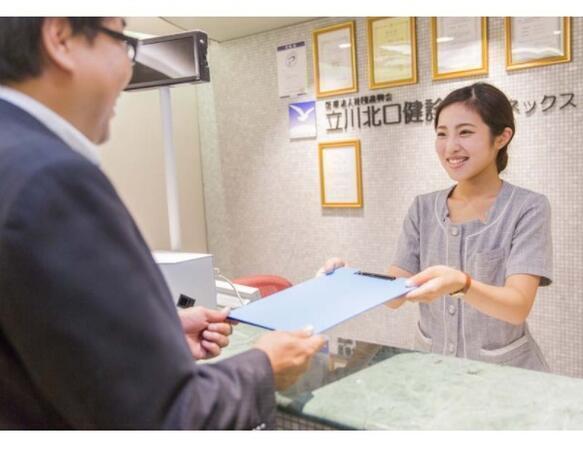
[456, 162]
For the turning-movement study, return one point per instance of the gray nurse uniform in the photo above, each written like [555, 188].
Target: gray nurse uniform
[515, 239]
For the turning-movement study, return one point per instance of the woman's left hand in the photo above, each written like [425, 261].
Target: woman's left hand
[435, 282]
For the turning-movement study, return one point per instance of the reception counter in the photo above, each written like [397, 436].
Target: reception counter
[357, 385]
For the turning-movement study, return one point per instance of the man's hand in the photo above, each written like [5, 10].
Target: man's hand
[290, 354]
[206, 330]
[435, 282]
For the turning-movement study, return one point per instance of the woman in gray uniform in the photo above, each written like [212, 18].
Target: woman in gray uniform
[479, 250]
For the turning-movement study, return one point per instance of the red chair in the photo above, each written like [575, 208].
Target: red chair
[267, 284]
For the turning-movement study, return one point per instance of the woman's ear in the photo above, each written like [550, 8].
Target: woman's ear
[504, 138]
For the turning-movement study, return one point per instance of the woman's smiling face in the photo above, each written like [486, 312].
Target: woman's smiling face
[464, 143]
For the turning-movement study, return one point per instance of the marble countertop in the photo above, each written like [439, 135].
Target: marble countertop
[366, 386]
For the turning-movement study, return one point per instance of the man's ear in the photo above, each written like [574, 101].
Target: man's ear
[57, 43]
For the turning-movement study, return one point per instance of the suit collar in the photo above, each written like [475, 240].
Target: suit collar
[76, 140]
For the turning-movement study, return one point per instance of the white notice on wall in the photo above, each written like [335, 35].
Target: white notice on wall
[340, 175]
[292, 72]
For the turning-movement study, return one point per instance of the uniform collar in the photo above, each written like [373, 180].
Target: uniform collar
[54, 122]
[497, 208]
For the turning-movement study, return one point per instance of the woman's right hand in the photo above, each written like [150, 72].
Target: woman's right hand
[330, 266]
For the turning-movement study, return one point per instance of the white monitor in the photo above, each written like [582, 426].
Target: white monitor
[190, 274]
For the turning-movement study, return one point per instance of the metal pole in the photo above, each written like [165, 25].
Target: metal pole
[170, 166]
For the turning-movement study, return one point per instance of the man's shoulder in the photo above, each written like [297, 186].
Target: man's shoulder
[32, 155]
[23, 138]
[27, 146]
[36, 157]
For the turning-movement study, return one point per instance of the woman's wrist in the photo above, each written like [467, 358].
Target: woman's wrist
[462, 284]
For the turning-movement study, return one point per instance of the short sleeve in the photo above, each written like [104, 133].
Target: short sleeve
[407, 254]
[531, 251]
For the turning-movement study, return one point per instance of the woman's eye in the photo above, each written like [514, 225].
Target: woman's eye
[465, 132]
[440, 134]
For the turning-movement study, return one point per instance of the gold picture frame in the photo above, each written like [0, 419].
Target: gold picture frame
[464, 52]
[543, 27]
[340, 174]
[394, 40]
[335, 60]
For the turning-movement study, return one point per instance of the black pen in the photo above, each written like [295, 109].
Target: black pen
[375, 275]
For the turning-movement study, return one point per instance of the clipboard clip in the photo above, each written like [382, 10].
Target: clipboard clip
[375, 275]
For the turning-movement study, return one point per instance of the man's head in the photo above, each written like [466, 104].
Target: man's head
[75, 66]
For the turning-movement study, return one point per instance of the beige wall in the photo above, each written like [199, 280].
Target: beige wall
[134, 160]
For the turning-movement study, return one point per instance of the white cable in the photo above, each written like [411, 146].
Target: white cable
[218, 274]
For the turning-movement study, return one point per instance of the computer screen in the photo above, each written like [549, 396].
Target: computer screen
[169, 60]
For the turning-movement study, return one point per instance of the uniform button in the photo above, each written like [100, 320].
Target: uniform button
[454, 231]
[451, 309]
[451, 348]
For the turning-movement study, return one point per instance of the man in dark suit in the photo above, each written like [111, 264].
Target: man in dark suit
[89, 337]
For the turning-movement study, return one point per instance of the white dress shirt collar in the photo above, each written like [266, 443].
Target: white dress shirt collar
[63, 129]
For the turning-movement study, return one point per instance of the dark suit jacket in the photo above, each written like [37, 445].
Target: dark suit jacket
[89, 336]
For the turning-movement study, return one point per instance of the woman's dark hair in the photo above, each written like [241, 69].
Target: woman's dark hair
[493, 107]
[20, 44]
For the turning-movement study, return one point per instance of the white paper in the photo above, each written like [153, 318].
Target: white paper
[292, 73]
[335, 60]
[459, 43]
[536, 38]
[340, 177]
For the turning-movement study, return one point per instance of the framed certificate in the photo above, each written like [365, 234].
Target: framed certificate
[335, 60]
[459, 47]
[537, 41]
[340, 174]
[392, 52]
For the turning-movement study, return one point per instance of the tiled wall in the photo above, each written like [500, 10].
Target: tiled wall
[262, 191]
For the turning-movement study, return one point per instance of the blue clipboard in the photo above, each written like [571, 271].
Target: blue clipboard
[322, 302]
